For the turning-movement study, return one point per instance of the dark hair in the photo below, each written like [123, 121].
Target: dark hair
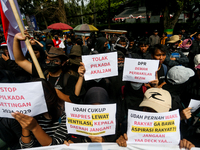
[53, 102]
[158, 46]
[143, 42]
[165, 33]
[131, 39]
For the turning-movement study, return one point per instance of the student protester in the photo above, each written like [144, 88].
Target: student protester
[177, 81]
[116, 82]
[143, 52]
[154, 39]
[56, 41]
[43, 42]
[151, 104]
[49, 44]
[185, 46]
[132, 47]
[163, 38]
[40, 55]
[101, 45]
[112, 43]
[45, 129]
[94, 96]
[84, 48]
[68, 46]
[122, 44]
[64, 83]
[10, 65]
[158, 52]
[175, 56]
[194, 49]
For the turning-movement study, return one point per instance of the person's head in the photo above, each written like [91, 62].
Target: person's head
[180, 35]
[155, 32]
[156, 100]
[56, 37]
[79, 41]
[164, 34]
[131, 42]
[49, 44]
[44, 38]
[198, 36]
[122, 41]
[52, 100]
[143, 45]
[179, 75]
[55, 59]
[69, 42]
[4, 48]
[38, 50]
[159, 52]
[183, 30]
[96, 95]
[75, 57]
[198, 70]
[173, 42]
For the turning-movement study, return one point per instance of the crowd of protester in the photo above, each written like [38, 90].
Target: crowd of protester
[177, 77]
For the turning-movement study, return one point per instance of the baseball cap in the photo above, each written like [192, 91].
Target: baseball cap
[157, 99]
[196, 60]
[179, 74]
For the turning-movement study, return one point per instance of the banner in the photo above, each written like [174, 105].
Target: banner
[107, 146]
[86, 120]
[10, 26]
[27, 98]
[100, 65]
[34, 22]
[153, 128]
[140, 70]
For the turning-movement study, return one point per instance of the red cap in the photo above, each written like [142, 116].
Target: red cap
[4, 44]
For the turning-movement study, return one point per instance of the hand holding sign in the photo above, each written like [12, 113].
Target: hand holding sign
[98, 139]
[121, 141]
[26, 122]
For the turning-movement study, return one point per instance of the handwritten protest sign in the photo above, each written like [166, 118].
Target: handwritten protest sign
[100, 65]
[96, 120]
[194, 104]
[140, 70]
[153, 128]
[27, 98]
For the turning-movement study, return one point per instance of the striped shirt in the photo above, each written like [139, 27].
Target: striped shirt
[57, 131]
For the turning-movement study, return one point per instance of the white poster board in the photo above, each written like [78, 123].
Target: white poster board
[86, 120]
[194, 104]
[100, 65]
[140, 70]
[27, 98]
[153, 128]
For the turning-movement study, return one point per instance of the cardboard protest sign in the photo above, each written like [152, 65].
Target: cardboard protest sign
[96, 120]
[153, 128]
[27, 98]
[194, 104]
[100, 65]
[140, 70]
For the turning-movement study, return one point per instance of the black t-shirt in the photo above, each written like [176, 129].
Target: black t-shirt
[161, 75]
[58, 83]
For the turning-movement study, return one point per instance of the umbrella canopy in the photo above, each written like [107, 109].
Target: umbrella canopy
[60, 26]
[85, 28]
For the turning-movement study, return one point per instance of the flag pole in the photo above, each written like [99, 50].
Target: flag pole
[28, 45]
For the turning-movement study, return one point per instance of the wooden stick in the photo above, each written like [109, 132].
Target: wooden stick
[28, 45]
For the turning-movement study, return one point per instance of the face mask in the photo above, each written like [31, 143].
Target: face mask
[136, 86]
[56, 37]
[120, 66]
[51, 67]
[97, 80]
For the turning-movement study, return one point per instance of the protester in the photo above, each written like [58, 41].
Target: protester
[43, 42]
[143, 52]
[44, 129]
[122, 44]
[56, 41]
[174, 56]
[151, 104]
[55, 73]
[154, 39]
[101, 45]
[163, 38]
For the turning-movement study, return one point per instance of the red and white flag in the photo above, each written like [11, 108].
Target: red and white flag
[10, 26]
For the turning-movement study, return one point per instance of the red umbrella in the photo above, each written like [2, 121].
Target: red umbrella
[60, 26]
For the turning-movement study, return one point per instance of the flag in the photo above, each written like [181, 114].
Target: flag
[10, 26]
